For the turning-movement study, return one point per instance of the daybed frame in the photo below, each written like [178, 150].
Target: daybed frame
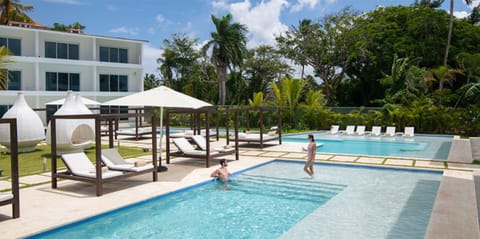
[15, 201]
[98, 181]
[262, 139]
[207, 112]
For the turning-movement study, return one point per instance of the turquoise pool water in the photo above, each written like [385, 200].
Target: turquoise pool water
[277, 200]
[421, 146]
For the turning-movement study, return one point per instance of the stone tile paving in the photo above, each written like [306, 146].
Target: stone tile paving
[295, 155]
[273, 154]
[252, 153]
[399, 162]
[344, 158]
[370, 160]
[429, 164]
[4, 184]
[34, 179]
[462, 166]
[323, 156]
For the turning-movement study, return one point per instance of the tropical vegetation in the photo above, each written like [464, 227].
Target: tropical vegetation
[383, 67]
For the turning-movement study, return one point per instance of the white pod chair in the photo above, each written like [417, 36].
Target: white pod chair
[72, 135]
[30, 130]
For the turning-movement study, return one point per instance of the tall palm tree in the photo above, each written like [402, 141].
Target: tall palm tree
[228, 49]
[14, 10]
[450, 30]
[3, 72]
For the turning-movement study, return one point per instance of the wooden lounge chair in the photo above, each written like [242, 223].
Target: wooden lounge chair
[390, 131]
[114, 161]
[78, 164]
[360, 130]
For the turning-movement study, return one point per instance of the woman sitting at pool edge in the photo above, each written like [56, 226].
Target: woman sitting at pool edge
[221, 173]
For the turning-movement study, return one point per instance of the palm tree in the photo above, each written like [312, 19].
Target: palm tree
[13, 10]
[3, 72]
[289, 95]
[228, 49]
[450, 30]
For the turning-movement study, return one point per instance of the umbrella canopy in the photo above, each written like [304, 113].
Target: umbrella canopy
[86, 101]
[159, 97]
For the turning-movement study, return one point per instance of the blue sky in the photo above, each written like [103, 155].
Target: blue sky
[155, 20]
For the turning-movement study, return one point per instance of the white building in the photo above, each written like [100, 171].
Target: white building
[45, 64]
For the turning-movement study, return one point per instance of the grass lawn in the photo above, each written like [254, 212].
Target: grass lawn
[32, 162]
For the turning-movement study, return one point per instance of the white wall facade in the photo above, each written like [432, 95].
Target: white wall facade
[34, 65]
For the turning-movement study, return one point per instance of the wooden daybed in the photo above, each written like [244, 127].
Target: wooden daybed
[207, 155]
[261, 137]
[12, 198]
[98, 181]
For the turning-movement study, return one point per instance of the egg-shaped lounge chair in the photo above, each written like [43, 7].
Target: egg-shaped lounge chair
[30, 129]
[72, 135]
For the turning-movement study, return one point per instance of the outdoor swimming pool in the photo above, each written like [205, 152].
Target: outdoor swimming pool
[420, 146]
[277, 200]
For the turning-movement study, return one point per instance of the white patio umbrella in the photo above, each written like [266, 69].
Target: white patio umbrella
[159, 97]
[86, 101]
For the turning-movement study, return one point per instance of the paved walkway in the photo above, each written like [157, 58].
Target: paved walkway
[43, 207]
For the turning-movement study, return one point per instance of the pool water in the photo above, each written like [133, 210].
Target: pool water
[422, 146]
[277, 200]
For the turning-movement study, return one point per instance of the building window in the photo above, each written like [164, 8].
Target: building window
[4, 109]
[14, 80]
[14, 45]
[60, 81]
[61, 50]
[114, 83]
[111, 54]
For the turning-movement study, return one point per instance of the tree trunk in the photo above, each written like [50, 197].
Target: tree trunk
[222, 89]
[449, 37]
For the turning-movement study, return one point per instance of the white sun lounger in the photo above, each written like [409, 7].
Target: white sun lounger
[390, 131]
[334, 129]
[114, 161]
[376, 131]
[350, 130]
[202, 144]
[360, 130]
[409, 132]
[78, 164]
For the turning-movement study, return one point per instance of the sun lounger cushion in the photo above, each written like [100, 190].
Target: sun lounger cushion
[80, 165]
[115, 161]
[5, 196]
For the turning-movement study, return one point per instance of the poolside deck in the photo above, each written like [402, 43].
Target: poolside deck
[454, 212]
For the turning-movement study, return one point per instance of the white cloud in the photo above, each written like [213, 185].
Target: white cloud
[304, 3]
[263, 20]
[461, 14]
[159, 18]
[71, 2]
[150, 56]
[127, 30]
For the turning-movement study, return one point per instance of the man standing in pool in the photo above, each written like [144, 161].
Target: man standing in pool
[311, 151]
[221, 173]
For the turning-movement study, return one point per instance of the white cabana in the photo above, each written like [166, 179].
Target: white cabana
[73, 135]
[159, 97]
[85, 100]
[30, 130]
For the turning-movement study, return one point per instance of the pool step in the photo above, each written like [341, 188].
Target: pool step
[295, 189]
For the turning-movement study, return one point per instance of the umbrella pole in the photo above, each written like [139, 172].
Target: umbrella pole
[160, 167]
